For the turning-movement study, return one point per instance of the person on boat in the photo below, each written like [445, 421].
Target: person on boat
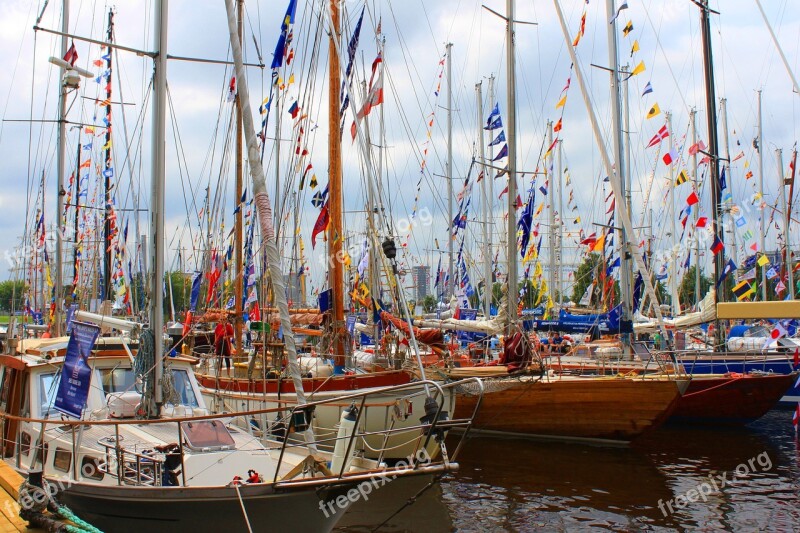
[556, 343]
[223, 334]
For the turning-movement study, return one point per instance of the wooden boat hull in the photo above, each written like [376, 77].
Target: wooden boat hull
[586, 409]
[731, 398]
[344, 383]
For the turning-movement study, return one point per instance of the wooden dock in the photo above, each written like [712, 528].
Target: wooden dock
[10, 522]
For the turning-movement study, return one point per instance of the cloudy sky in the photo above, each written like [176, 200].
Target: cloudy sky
[416, 32]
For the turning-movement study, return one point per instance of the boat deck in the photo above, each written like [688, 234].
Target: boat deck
[10, 522]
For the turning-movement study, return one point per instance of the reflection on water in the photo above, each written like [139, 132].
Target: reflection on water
[525, 485]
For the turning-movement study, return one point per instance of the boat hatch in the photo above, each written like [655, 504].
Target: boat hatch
[207, 436]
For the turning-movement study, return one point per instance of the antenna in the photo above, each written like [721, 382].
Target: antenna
[66, 66]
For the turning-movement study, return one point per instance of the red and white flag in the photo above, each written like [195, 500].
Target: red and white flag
[375, 95]
[658, 137]
[72, 55]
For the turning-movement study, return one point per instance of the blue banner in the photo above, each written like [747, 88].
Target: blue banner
[351, 324]
[70, 315]
[76, 375]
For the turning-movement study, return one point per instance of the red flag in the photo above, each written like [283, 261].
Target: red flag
[613, 204]
[693, 199]
[320, 225]
[658, 137]
[557, 127]
[702, 222]
[503, 192]
[255, 314]
[72, 55]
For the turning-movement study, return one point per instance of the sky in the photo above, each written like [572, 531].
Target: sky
[416, 33]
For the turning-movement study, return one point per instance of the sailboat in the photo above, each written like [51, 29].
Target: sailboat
[521, 396]
[225, 393]
[139, 449]
[721, 389]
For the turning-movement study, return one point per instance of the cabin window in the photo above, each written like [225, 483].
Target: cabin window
[5, 389]
[117, 380]
[183, 386]
[48, 388]
[25, 443]
[208, 435]
[41, 453]
[62, 459]
[90, 468]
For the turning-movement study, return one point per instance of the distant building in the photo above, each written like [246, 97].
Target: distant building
[422, 278]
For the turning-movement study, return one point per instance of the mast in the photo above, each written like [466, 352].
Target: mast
[616, 124]
[372, 270]
[673, 262]
[551, 213]
[608, 166]
[713, 145]
[450, 274]
[156, 274]
[487, 250]
[511, 228]
[60, 158]
[240, 278]
[726, 168]
[785, 208]
[789, 262]
[778, 46]
[264, 209]
[762, 230]
[336, 277]
[697, 297]
[560, 234]
[76, 199]
[490, 217]
[107, 253]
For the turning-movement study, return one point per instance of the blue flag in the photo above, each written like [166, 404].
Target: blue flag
[500, 138]
[280, 48]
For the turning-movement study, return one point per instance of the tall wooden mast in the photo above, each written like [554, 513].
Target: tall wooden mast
[336, 274]
[107, 173]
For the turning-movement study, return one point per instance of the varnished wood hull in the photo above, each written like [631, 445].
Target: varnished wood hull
[588, 409]
[342, 382]
[731, 399]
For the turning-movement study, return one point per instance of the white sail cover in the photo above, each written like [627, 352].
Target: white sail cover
[494, 326]
[707, 312]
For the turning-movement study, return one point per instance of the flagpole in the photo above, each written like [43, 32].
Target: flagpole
[697, 297]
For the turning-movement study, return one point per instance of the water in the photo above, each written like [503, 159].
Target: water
[526, 485]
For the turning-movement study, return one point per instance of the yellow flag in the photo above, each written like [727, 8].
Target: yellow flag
[635, 47]
[562, 101]
[291, 80]
[639, 68]
[599, 243]
[655, 110]
[539, 210]
[763, 260]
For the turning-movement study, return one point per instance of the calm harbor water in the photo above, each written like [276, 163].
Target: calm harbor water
[527, 485]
